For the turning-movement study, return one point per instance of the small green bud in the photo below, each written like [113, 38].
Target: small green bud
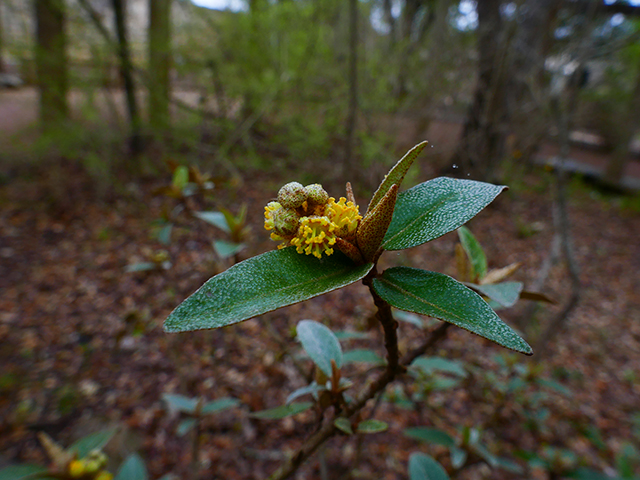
[285, 222]
[316, 195]
[292, 195]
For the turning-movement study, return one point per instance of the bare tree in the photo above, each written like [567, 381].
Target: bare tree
[126, 72]
[1, 40]
[51, 61]
[627, 127]
[483, 137]
[352, 115]
[159, 63]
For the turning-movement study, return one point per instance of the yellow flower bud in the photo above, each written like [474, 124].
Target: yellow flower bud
[76, 469]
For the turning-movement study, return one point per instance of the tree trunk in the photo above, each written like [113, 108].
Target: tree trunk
[628, 125]
[1, 40]
[51, 62]
[482, 144]
[349, 169]
[527, 90]
[159, 63]
[126, 72]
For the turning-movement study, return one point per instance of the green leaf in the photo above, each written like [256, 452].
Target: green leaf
[180, 178]
[429, 365]
[440, 296]
[185, 426]
[180, 402]
[226, 249]
[349, 335]
[414, 320]
[164, 234]
[553, 385]
[344, 425]
[474, 251]
[132, 468]
[219, 405]
[311, 389]
[320, 344]
[495, 461]
[424, 467]
[458, 457]
[217, 219]
[505, 293]
[430, 435]
[372, 426]
[22, 472]
[140, 267]
[396, 174]
[282, 411]
[433, 208]
[261, 284]
[95, 441]
[363, 355]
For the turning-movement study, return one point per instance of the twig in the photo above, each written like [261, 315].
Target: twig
[371, 390]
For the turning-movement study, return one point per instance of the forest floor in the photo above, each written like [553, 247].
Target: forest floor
[82, 346]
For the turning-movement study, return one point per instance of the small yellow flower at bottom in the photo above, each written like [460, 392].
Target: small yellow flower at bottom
[104, 475]
[76, 469]
[315, 236]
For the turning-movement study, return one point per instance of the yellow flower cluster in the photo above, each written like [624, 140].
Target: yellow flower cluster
[310, 226]
[90, 467]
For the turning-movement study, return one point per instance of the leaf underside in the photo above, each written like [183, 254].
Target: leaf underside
[433, 208]
[261, 284]
[442, 297]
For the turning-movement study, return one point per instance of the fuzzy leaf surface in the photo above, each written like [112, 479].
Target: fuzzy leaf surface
[320, 344]
[433, 208]
[442, 297]
[261, 284]
[396, 174]
[132, 468]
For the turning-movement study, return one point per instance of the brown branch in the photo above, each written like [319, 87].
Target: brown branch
[372, 389]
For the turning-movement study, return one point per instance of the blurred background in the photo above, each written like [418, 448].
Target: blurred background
[141, 139]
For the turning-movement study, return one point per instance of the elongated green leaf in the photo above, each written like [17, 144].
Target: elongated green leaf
[424, 467]
[433, 208]
[217, 219]
[396, 174]
[363, 355]
[320, 344]
[226, 249]
[429, 365]
[185, 426]
[261, 284]
[344, 425]
[505, 293]
[180, 402]
[95, 441]
[311, 389]
[372, 426]
[132, 468]
[430, 435]
[440, 296]
[474, 251]
[282, 411]
[22, 472]
[219, 405]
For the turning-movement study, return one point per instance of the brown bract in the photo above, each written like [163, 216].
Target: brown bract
[375, 224]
